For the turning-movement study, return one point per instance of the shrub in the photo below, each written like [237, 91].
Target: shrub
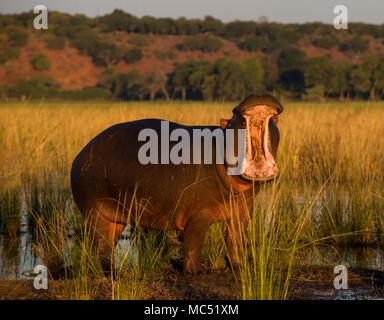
[276, 34]
[19, 38]
[13, 53]
[315, 93]
[290, 59]
[85, 41]
[239, 28]
[9, 53]
[132, 55]
[276, 46]
[326, 42]
[40, 62]
[73, 31]
[202, 42]
[308, 28]
[253, 43]
[105, 54]
[119, 20]
[38, 87]
[162, 55]
[358, 44]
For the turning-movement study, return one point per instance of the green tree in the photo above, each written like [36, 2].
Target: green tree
[146, 24]
[291, 59]
[210, 24]
[40, 62]
[106, 54]
[339, 81]
[271, 74]
[253, 75]
[107, 79]
[37, 87]
[209, 86]
[125, 86]
[19, 38]
[132, 55]
[326, 42]
[180, 77]
[84, 40]
[229, 80]
[9, 53]
[317, 71]
[358, 44]
[156, 81]
[293, 81]
[314, 93]
[254, 43]
[202, 81]
[119, 20]
[186, 26]
[276, 46]
[239, 28]
[368, 77]
[283, 34]
[202, 42]
[291, 62]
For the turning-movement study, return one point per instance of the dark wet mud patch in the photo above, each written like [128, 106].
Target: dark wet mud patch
[316, 283]
[219, 285]
[307, 283]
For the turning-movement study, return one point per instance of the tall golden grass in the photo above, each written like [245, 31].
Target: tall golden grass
[330, 190]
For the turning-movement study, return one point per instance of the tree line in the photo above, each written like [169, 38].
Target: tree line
[282, 67]
[228, 80]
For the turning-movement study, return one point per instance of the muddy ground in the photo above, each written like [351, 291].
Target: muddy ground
[308, 283]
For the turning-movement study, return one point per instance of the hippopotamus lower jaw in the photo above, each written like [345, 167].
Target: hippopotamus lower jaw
[266, 175]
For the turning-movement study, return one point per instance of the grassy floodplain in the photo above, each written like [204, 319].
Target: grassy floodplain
[330, 192]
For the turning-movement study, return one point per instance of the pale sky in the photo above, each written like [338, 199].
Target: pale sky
[284, 11]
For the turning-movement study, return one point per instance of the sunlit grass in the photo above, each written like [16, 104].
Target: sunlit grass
[330, 190]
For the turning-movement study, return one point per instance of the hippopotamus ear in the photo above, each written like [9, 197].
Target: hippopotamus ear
[223, 123]
[276, 119]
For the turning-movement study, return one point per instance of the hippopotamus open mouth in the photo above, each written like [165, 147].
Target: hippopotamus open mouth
[258, 116]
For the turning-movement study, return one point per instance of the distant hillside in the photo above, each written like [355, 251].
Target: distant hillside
[124, 57]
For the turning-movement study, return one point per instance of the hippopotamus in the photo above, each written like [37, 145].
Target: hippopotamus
[112, 187]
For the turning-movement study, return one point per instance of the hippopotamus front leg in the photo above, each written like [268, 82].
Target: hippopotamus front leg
[194, 234]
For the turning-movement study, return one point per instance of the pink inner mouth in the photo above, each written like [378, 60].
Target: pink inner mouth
[259, 165]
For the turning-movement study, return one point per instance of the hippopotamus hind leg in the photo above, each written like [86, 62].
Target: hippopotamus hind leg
[105, 233]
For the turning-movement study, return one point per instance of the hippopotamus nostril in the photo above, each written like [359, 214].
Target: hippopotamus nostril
[254, 100]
